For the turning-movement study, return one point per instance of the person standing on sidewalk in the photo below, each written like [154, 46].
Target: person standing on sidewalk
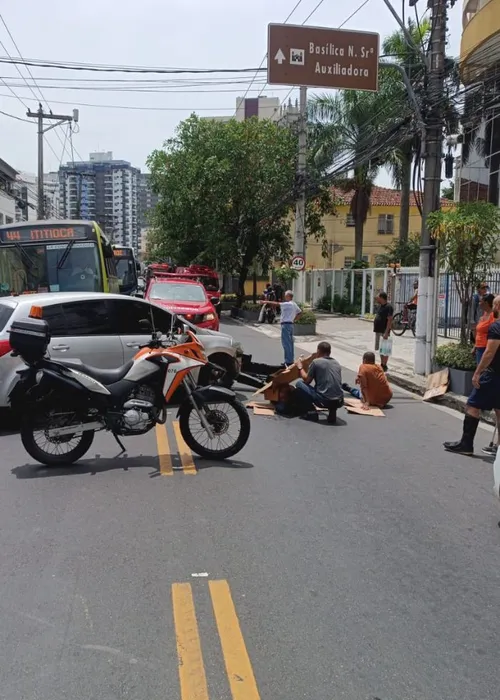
[482, 326]
[290, 311]
[485, 395]
[382, 328]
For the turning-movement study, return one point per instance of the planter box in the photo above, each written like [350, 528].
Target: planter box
[226, 305]
[461, 381]
[304, 329]
[245, 315]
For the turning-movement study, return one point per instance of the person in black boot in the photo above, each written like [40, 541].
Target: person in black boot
[485, 395]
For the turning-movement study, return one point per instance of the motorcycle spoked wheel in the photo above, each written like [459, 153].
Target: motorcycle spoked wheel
[67, 449]
[217, 414]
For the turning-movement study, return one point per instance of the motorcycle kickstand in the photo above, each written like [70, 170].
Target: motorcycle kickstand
[120, 443]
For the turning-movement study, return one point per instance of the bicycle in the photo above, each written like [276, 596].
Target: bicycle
[402, 321]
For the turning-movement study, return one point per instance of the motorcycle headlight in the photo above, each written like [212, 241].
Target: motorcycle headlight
[209, 317]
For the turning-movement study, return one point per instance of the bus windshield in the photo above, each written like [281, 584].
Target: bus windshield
[52, 267]
[126, 271]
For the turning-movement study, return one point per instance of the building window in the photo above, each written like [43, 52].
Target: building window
[9, 220]
[386, 223]
[349, 221]
[1, 219]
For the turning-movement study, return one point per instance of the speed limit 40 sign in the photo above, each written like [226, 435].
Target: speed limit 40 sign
[298, 262]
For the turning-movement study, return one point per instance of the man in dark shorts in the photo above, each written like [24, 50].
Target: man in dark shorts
[382, 325]
[485, 395]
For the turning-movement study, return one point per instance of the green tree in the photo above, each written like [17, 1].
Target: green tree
[468, 238]
[399, 162]
[350, 122]
[411, 58]
[227, 193]
[448, 191]
[405, 253]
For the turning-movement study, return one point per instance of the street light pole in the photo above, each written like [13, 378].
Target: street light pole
[40, 115]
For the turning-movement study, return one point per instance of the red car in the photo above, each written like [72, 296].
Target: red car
[185, 298]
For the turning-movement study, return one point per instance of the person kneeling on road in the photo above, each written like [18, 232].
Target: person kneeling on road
[327, 391]
[485, 395]
[374, 389]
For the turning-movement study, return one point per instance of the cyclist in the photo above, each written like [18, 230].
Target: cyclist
[412, 304]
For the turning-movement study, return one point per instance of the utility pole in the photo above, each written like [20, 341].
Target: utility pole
[40, 115]
[428, 280]
[299, 246]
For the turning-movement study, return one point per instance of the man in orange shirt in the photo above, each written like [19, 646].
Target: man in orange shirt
[374, 389]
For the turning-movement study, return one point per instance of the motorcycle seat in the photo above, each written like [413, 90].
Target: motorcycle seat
[105, 376]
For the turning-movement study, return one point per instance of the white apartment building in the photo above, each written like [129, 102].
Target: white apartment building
[104, 190]
[8, 177]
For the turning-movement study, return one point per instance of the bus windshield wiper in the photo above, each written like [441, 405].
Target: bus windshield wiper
[62, 261]
[25, 255]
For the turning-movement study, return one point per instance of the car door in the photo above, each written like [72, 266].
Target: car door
[128, 314]
[88, 334]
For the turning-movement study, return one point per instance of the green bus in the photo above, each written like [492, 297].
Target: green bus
[56, 256]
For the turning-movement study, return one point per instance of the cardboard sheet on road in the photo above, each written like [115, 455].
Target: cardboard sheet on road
[437, 384]
[354, 406]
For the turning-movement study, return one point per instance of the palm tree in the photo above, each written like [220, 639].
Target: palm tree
[411, 57]
[346, 126]
[396, 49]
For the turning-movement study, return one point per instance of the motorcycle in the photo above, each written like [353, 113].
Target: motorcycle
[63, 403]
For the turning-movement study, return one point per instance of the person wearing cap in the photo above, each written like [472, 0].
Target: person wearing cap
[290, 311]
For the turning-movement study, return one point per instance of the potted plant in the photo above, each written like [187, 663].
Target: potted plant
[249, 311]
[460, 361]
[227, 301]
[305, 323]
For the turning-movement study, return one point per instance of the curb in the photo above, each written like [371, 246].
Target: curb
[450, 400]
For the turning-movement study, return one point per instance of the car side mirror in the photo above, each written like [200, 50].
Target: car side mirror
[214, 300]
[145, 325]
[141, 284]
[185, 329]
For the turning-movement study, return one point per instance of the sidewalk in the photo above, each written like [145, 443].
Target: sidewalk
[351, 337]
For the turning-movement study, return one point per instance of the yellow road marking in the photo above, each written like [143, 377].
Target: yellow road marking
[191, 669]
[163, 450]
[238, 666]
[184, 451]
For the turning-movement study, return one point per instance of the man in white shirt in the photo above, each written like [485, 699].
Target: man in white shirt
[290, 311]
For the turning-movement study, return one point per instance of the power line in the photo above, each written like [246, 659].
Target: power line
[102, 68]
[13, 116]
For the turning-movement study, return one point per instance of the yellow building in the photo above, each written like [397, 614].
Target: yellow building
[381, 227]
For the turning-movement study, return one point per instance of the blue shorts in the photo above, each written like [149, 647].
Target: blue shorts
[487, 397]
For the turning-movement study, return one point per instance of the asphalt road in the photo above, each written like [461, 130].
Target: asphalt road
[354, 562]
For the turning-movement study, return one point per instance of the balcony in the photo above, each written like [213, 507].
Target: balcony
[480, 46]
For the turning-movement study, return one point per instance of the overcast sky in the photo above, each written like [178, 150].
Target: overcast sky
[173, 33]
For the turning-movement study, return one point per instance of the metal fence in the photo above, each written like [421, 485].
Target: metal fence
[355, 291]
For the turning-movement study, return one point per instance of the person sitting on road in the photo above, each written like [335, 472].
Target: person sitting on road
[327, 391]
[374, 389]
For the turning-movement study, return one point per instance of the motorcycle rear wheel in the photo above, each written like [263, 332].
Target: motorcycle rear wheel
[32, 426]
[217, 419]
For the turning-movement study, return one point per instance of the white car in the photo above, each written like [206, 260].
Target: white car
[103, 330]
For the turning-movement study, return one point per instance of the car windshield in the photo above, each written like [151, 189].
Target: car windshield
[176, 291]
[53, 267]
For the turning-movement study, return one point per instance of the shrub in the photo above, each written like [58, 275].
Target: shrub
[455, 356]
[228, 297]
[342, 305]
[248, 306]
[324, 303]
[306, 317]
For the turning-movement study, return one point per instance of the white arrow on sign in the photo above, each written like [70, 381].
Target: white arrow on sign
[280, 57]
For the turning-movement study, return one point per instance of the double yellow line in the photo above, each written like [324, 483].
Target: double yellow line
[192, 677]
[165, 454]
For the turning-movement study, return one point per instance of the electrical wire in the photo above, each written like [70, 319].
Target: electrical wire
[26, 82]
[13, 116]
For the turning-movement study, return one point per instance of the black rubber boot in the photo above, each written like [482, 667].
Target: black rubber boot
[465, 446]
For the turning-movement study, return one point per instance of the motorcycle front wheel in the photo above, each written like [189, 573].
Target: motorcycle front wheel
[230, 425]
[54, 451]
